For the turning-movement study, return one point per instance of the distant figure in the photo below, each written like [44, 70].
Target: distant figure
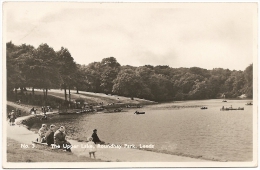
[32, 111]
[50, 135]
[92, 147]
[95, 137]
[60, 139]
[44, 117]
[44, 110]
[19, 102]
[19, 113]
[42, 133]
[11, 118]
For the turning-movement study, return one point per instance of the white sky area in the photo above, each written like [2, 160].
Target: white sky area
[206, 35]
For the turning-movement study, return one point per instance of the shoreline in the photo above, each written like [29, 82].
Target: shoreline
[109, 154]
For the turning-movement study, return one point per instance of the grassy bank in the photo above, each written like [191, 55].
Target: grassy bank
[55, 96]
[41, 154]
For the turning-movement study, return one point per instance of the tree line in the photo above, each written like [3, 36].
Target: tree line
[44, 68]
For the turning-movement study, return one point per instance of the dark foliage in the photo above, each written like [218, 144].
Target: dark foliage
[45, 69]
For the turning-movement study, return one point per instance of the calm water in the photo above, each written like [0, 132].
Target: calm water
[211, 133]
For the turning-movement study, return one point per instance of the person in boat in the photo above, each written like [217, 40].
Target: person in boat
[60, 139]
[50, 135]
[223, 107]
[95, 137]
[42, 133]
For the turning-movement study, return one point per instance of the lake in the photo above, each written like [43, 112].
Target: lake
[189, 131]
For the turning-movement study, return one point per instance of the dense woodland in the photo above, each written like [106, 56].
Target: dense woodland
[44, 68]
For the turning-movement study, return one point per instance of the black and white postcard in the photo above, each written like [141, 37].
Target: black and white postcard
[101, 85]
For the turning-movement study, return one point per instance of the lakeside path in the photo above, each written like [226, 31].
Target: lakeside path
[24, 136]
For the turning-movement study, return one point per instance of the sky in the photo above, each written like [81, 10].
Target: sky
[206, 35]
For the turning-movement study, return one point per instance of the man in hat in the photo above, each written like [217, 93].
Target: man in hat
[50, 135]
[42, 133]
[95, 137]
[60, 139]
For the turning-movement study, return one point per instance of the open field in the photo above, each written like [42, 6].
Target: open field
[93, 97]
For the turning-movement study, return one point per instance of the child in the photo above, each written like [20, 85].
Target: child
[92, 147]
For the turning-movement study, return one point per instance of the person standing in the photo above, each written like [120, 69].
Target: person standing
[12, 118]
[44, 110]
[92, 147]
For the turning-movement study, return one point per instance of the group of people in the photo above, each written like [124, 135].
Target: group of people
[58, 137]
[33, 111]
[51, 136]
[46, 109]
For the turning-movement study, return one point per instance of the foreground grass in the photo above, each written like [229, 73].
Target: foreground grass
[41, 154]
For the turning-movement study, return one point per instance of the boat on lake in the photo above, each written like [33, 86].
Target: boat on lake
[138, 113]
[231, 108]
[203, 107]
[249, 103]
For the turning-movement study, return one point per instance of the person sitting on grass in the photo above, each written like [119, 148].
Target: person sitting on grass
[42, 133]
[92, 147]
[95, 137]
[60, 139]
[50, 135]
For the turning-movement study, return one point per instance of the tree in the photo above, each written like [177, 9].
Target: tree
[15, 76]
[29, 65]
[93, 74]
[67, 70]
[48, 73]
[110, 68]
[161, 88]
[80, 79]
[248, 74]
[128, 84]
